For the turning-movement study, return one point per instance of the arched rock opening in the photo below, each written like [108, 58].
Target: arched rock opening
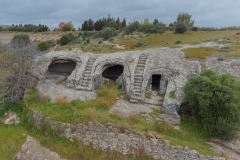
[113, 72]
[61, 67]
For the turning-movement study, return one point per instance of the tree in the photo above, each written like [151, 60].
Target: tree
[146, 21]
[214, 101]
[88, 25]
[17, 63]
[185, 18]
[155, 22]
[180, 28]
[124, 23]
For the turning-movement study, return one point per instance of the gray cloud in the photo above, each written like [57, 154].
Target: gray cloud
[214, 13]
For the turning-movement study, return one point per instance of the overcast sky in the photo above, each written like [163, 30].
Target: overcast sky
[206, 13]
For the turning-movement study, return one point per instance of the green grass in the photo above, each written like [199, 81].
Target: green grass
[11, 139]
[97, 111]
[172, 94]
[191, 135]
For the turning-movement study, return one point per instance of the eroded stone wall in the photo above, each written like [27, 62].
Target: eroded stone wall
[111, 137]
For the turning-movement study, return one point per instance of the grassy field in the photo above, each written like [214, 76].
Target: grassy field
[97, 111]
[139, 41]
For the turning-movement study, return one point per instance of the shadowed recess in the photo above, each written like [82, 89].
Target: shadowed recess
[156, 82]
[113, 72]
[61, 66]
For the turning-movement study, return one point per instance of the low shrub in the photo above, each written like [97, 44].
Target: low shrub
[108, 32]
[67, 38]
[181, 28]
[214, 101]
[20, 41]
[43, 46]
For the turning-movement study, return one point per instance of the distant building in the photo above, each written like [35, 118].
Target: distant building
[60, 26]
[56, 29]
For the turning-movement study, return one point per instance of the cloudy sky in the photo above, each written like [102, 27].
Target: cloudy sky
[206, 13]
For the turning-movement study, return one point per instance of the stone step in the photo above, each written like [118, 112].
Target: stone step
[137, 82]
[87, 72]
[86, 78]
[91, 60]
[82, 88]
[138, 94]
[134, 97]
[143, 57]
[138, 88]
[88, 69]
[138, 79]
[85, 81]
[136, 75]
[133, 100]
[142, 60]
[140, 65]
[84, 84]
[140, 72]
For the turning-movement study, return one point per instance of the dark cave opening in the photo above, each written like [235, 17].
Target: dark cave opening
[156, 82]
[61, 67]
[113, 72]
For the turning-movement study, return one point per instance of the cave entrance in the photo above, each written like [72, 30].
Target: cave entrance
[113, 72]
[61, 67]
[156, 78]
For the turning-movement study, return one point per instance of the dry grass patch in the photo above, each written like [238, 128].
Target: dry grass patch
[168, 39]
[106, 96]
[199, 53]
[62, 101]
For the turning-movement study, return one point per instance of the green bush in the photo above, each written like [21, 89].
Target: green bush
[132, 27]
[181, 28]
[149, 28]
[67, 38]
[20, 41]
[43, 46]
[214, 101]
[195, 29]
[108, 32]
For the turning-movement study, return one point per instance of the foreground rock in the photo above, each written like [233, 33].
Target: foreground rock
[10, 118]
[32, 150]
[54, 91]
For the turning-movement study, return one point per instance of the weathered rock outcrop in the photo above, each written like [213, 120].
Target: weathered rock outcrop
[143, 71]
[10, 118]
[221, 67]
[125, 141]
[32, 150]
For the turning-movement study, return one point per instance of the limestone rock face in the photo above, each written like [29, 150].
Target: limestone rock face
[222, 67]
[32, 150]
[138, 72]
